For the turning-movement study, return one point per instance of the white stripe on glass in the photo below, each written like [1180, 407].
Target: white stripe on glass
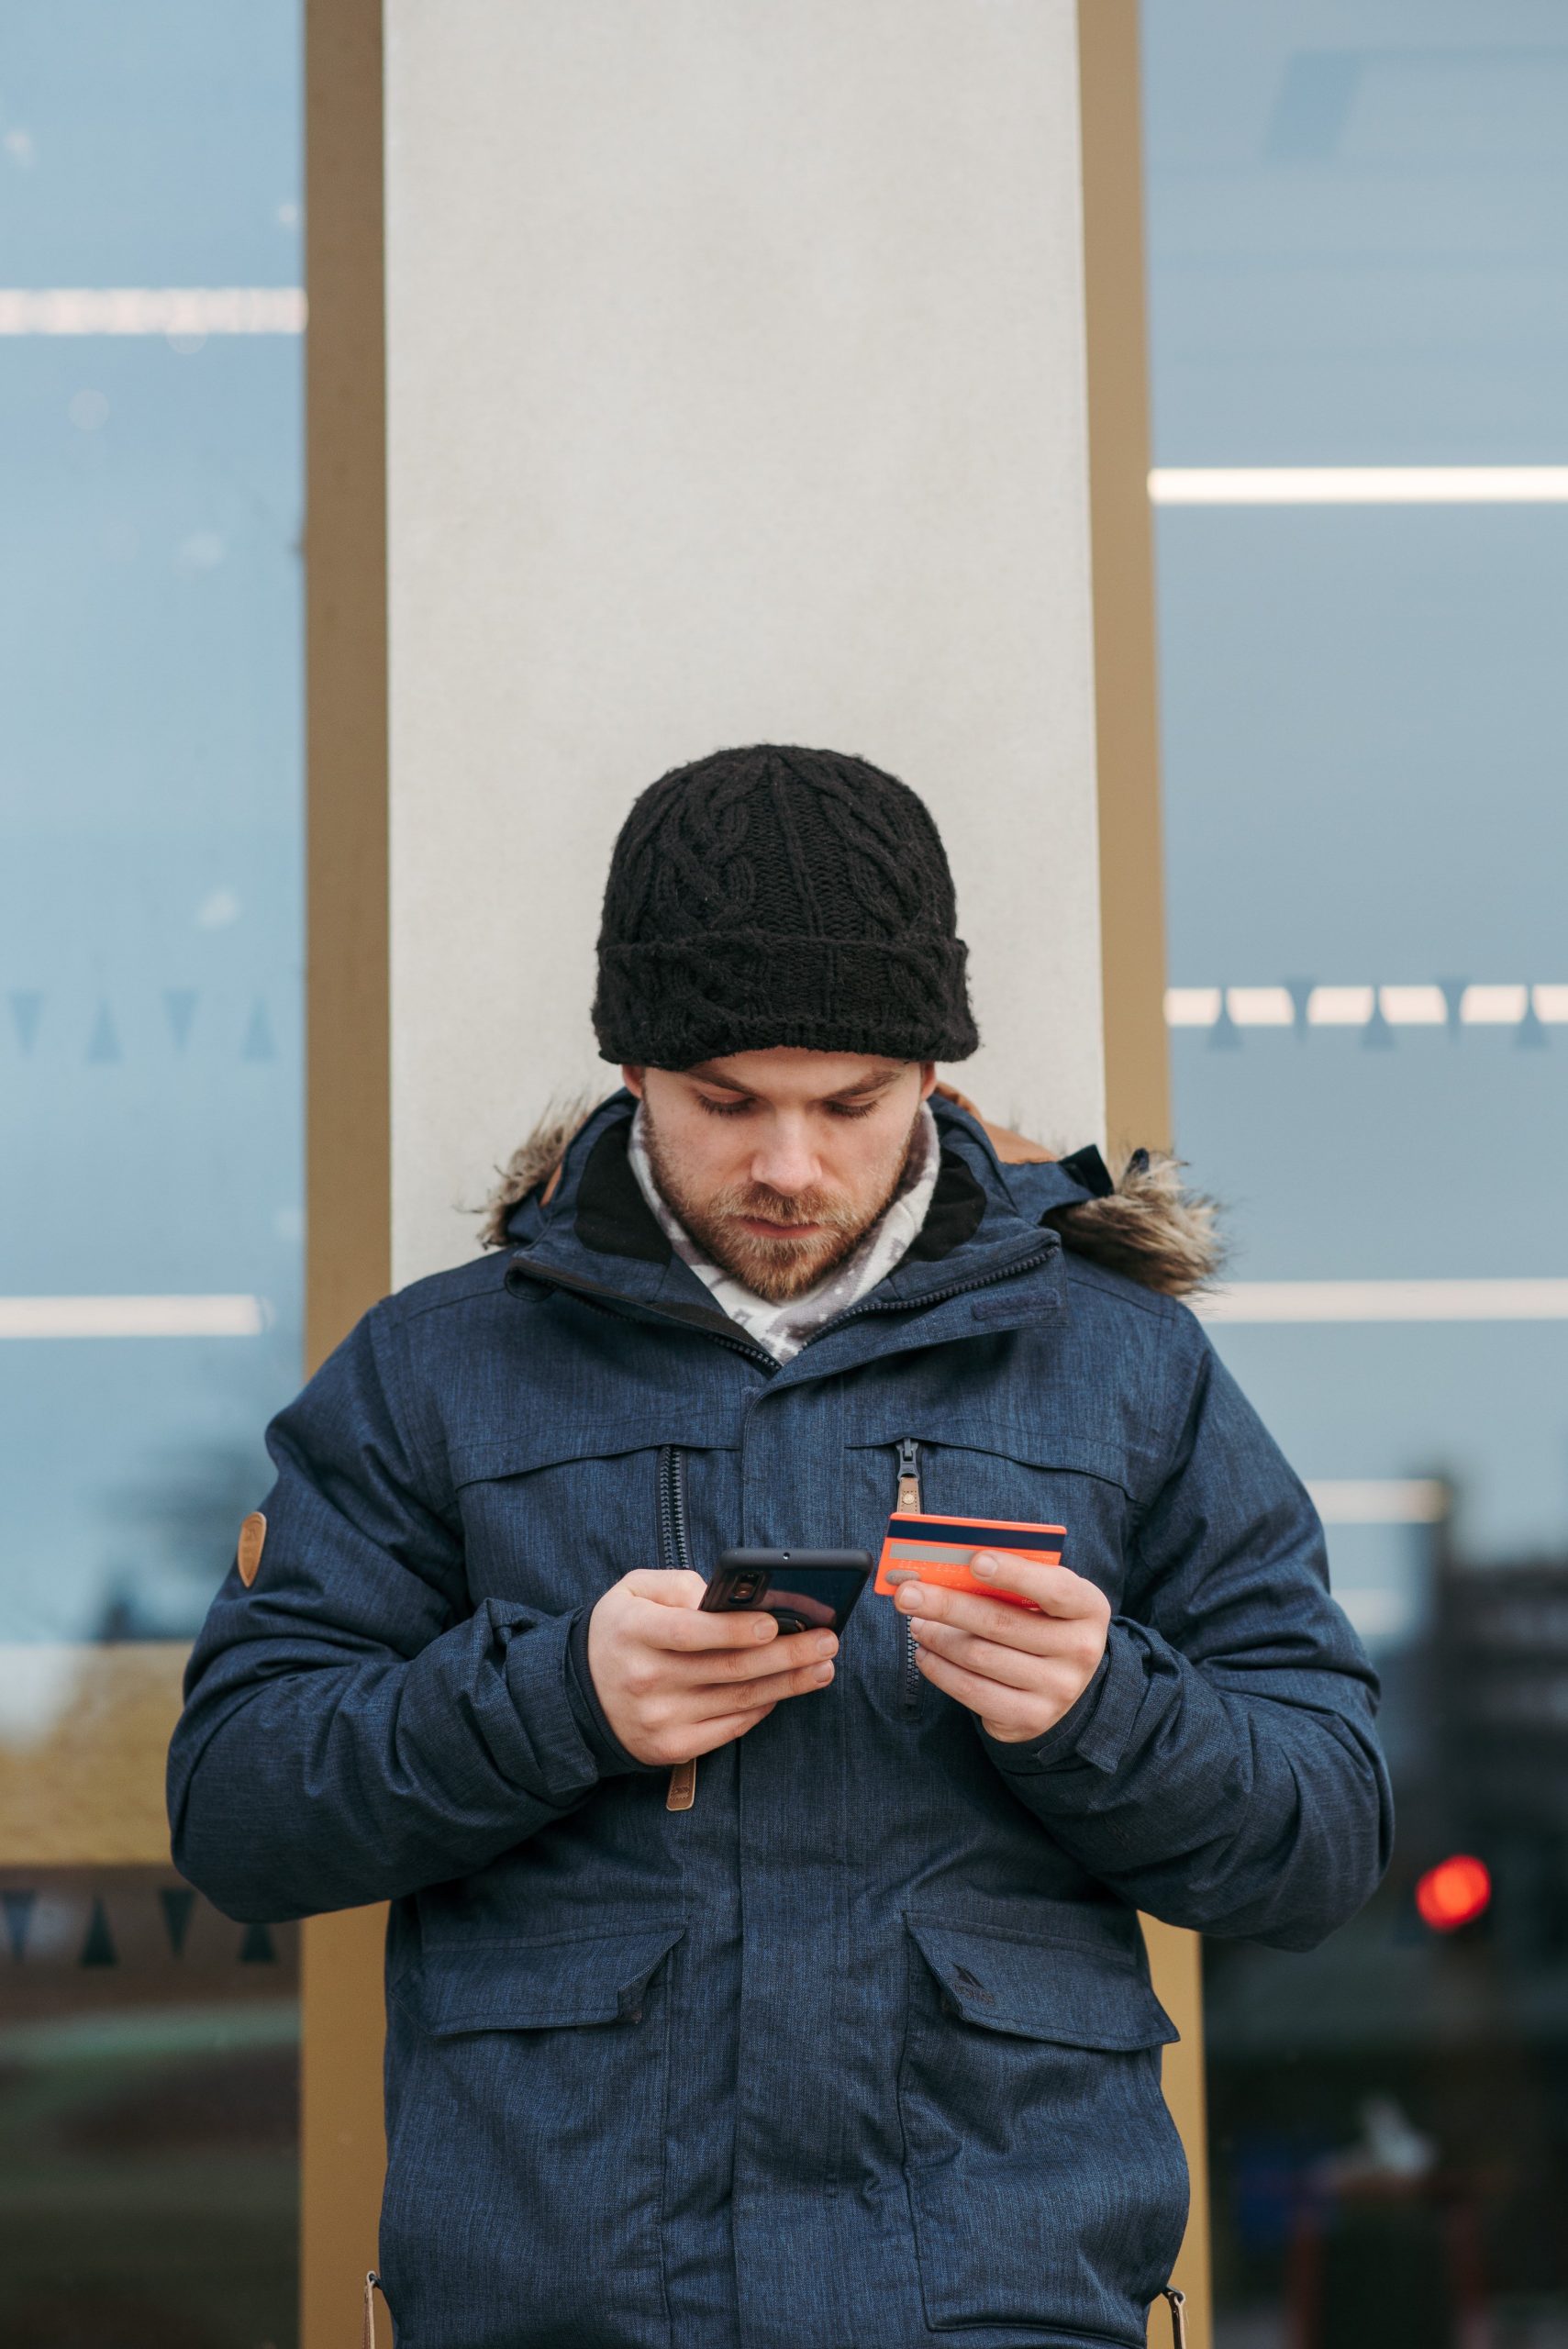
[1493, 1007]
[1434, 1300]
[1192, 1007]
[1422, 1004]
[1359, 484]
[1418, 1006]
[1338, 1007]
[132, 1317]
[1260, 1006]
[1378, 1501]
[152, 309]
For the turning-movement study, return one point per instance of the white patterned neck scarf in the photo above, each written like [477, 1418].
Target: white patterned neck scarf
[784, 1328]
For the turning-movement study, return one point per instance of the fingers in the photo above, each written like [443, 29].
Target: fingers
[1054, 1678]
[687, 1741]
[1057, 1589]
[782, 1657]
[1010, 1666]
[678, 1625]
[990, 1618]
[705, 1736]
[734, 1647]
[1013, 1626]
[717, 1698]
[666, 1586]
[697, 1719]
[1007, 1712]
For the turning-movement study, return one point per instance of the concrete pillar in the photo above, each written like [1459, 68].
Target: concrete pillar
[681, 375]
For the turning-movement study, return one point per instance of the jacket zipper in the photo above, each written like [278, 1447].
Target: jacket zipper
[909, 1501]
[674, 1546]
[623, 1310]
[675, 1549]
[673, 1542]
[937, 1296]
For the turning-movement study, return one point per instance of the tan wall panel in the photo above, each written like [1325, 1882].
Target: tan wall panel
[1137, 1097]
[1138, 1083]
[1175, 1961]
[83, 1735]
[348, 1154]
[342, 2136]
[348, 1169]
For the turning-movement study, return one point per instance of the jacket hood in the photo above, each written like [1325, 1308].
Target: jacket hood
[1138, 1219]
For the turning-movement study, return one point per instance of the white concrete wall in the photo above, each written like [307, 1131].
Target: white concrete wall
[737, 392]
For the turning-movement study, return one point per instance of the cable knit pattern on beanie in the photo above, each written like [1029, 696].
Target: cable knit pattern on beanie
[776, 894]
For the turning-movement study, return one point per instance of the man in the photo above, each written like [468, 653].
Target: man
[749, 1989]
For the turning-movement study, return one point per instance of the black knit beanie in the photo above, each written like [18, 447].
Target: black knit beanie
[779, 896]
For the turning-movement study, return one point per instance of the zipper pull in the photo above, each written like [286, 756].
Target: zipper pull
[1178, 2301]
[367, 2333]
[909, 1477]
[682, 1786]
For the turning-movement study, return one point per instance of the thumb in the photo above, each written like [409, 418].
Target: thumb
[668, 1587]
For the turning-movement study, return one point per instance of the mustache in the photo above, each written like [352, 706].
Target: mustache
[755, 1199]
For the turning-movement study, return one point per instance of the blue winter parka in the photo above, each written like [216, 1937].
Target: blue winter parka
[860, 2049]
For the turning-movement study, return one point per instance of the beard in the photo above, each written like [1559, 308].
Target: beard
[776, 1269]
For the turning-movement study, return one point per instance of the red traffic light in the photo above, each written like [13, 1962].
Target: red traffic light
[1454, 1893]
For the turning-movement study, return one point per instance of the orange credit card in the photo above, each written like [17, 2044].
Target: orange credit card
[937, 1550]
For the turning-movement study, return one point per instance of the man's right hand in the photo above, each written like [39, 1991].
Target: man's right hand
[675, 1683]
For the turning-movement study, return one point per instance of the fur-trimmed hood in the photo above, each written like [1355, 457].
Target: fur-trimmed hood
[1147, 1225]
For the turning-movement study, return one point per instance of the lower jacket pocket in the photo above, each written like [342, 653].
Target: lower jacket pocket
[1047, 2181]
[525, 2094]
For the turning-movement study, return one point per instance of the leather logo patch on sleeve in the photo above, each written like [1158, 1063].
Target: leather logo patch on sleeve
[252, 1533]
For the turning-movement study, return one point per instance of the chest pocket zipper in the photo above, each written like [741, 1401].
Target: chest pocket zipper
[910, 1683]
[674, 1550]
[675, 1553]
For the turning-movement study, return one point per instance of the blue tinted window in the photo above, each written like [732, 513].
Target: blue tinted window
[1359, 249]
[151, 806]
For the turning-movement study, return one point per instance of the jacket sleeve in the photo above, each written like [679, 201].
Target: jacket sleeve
[354, 1728]
[1222, 1770]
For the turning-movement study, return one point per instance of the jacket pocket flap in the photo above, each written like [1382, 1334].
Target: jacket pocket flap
[537, 1986]
[516, 1452]
[1080, 1997]
[1034, 1445]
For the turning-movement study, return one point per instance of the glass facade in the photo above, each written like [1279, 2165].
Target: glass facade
[151, 810]
[1357, 224]
[151, 1183]
[148, 2116]
[1358, 239]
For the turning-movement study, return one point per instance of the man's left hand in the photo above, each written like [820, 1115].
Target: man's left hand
[1019, 1671]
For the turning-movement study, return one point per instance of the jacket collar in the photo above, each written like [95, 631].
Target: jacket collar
[982, 1252]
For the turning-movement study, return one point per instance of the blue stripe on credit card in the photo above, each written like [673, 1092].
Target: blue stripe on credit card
[908, 1531]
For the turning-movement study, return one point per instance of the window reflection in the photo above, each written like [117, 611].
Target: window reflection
[1357, 261]
[148, 2116]
[1387, 2112]
[151, 834]
[150, 1228]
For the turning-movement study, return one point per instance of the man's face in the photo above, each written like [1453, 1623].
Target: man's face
[778, 1161]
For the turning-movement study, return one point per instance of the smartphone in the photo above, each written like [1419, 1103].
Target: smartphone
[805, 1590]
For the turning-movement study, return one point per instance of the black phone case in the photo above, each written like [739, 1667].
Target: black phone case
[803, 1589]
